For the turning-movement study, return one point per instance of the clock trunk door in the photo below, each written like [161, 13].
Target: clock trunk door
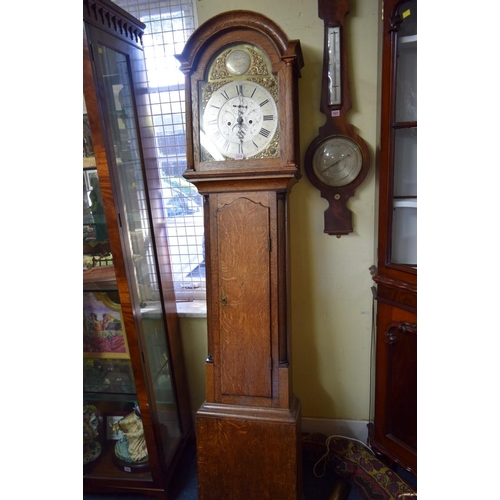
[244, 270]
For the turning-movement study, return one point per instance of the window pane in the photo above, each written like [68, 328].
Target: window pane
[406, 76]
[404, 232]
[405, 162]
[169, 23]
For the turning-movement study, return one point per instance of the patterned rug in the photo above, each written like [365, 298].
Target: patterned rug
[350, 461]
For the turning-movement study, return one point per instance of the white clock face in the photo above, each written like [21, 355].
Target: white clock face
[239, 120]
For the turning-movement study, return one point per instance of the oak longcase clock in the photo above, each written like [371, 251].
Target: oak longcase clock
[242, 134]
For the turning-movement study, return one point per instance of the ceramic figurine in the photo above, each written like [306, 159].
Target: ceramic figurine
[132, 445]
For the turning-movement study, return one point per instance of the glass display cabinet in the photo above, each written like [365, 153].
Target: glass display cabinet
[393, 427]
[136, 414]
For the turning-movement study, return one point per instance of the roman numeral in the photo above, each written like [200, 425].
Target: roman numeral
[264, 132]
[215, 136]
[268, 117]
[239, 89]
[263, 103]
[225, 95]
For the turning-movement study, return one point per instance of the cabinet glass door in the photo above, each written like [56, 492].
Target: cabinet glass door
[109, 391]
[404, 132]
[143, 277]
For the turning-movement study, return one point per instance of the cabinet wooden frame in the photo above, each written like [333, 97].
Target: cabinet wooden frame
[403, 273]
[393, 430]
[107, 23]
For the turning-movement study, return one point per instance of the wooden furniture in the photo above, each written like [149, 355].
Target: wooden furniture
[393, 431]
[133, 361]
[242, 121]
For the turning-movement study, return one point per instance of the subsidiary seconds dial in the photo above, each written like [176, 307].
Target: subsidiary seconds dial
[239, 120]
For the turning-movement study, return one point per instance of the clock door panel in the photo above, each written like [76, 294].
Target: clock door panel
[244, 266]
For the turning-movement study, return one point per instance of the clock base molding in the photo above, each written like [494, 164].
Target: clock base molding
[250, 452]
[354, 429]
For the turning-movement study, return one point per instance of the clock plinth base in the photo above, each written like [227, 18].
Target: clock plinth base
[246, 452]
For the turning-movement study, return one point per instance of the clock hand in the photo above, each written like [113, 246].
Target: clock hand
[240, 124]
[336, 162]
[241, 128]
[241, 133]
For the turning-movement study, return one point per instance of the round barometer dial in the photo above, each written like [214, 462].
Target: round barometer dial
[337, 161]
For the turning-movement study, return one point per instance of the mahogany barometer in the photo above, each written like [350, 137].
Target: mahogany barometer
[337, 160]
[242, 154]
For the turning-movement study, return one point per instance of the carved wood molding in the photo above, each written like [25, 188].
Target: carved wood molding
[289, 50]
[394, 292]
[110, 17]
[393, 283]
[399, 328]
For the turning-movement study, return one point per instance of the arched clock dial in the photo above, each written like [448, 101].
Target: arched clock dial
[239, 120]
[239, 106]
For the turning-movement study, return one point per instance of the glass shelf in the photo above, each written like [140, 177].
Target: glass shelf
[409, 39]
[108, 376]
[110, 397]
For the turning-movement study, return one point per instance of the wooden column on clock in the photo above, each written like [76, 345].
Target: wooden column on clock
[248, 430]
